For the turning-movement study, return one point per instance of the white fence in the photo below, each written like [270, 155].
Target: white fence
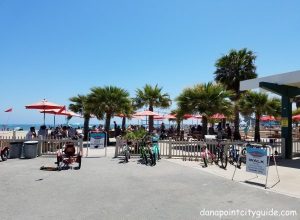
[192, 149]
[46, 146]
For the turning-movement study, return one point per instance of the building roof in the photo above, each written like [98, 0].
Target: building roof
[289, 78]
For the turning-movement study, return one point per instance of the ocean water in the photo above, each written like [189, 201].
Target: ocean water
[26, 127]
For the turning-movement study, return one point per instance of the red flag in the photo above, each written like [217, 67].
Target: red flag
[8, 110]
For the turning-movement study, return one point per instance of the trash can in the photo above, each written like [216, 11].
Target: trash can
[15, 149]
[30, 149]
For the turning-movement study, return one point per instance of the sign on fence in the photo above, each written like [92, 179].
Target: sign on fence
[256, 160]
[97, 140]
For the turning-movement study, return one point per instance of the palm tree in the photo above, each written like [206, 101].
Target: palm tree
[152, 97]
[109, 101]
[231, 70]
[81, 106]
[258, 104]
[127, 112]
[179, 118]
[206, 99]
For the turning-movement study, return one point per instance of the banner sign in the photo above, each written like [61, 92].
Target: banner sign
[284, 122]
[256, 160]
[97, 140]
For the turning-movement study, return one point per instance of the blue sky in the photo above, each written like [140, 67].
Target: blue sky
[57, 49]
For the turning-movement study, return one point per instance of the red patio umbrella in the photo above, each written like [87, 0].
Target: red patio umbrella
[296, 117]
[170, 117]
[146, 113]
[44, 105]
[267, 118]
[160, 117]
[197, 116]
[185, 116]
[218, 116]
[60, 112]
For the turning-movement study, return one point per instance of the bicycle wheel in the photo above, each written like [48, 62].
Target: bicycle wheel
[145, 158]
[79, 161]
[205, 161]
[154, 159]
[126, 157]
[230, 159]
[239, 163]
[244, 151]
[216, 157]
[223, 159]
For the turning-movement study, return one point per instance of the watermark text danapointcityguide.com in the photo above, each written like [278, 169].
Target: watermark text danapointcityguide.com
[255, 214]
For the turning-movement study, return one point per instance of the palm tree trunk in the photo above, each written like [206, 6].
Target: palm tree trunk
[107, 126]
[123, 123]
[86, 128]
[178, 127]
[256, 132]
[224, 123]
[297, 100]
[151, 119]
[236, 134]
[204, 125]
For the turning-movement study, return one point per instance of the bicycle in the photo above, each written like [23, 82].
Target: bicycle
[155, 156]
[149, 149]
[221, 155]
[207, 156]
[235, 157]
[144, 151]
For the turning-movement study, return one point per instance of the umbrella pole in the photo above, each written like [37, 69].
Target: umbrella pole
[54, 120]
[44, 116]
[270, 127]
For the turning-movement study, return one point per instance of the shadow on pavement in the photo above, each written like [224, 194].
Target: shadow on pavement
[292, 163]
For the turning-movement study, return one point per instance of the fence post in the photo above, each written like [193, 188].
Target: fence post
[81, 146]
[14, 135]
[170, 147]
[283, 148]
[40, 145]
[117, 146]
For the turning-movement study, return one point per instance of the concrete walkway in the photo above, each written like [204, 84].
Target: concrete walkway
[289, 173]
[106, 188]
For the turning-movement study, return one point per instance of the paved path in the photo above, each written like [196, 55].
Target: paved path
[105, 188]
[288, 170]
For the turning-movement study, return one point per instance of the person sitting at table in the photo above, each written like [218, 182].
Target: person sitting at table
[43, 131]
[193, 129]
[31, 134]
[64, 132]
[211, 130]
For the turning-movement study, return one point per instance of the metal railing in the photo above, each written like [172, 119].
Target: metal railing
[192, 149]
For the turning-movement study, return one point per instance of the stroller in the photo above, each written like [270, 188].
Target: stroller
[68, 156]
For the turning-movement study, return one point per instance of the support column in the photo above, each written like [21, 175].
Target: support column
[286, 92]
[286, 126]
